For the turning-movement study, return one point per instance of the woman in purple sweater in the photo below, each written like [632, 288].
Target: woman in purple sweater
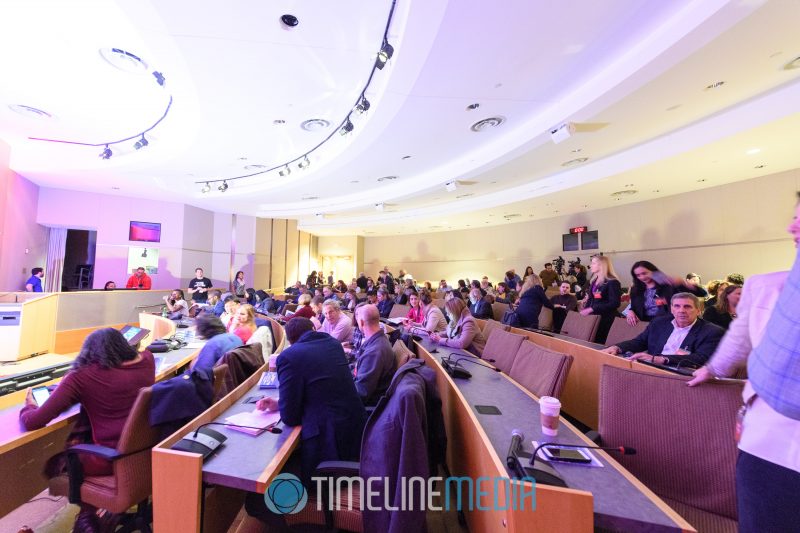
[105, 379]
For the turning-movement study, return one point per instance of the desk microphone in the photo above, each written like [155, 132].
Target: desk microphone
[511, 457]
[271, 428]
[464, 355]
[475, 362]
[454, 372]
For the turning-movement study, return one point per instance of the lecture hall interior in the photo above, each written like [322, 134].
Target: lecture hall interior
[174, 173]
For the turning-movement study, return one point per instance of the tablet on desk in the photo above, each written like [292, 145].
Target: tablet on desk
[133, 334]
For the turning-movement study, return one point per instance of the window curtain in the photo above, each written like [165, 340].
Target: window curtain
[56, 247]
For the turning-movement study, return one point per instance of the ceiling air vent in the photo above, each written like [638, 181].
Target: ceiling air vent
[487, 123]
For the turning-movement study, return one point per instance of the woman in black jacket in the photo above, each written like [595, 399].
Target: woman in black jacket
[723, 313]
[652, 292]
[531, 300]
[603, 297]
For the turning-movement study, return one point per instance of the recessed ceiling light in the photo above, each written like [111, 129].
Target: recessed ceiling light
[278, 121]
[387, 178]
[701, 180]
[242, 159]
[487, 123]
[315, 124]
[576, 150]
[793, 64]
[715, 85]
[760, 166]
[464, 195]
[674, 107]
[656, 190]
[576, 161]
[310, 198]
[123, 60]
[254, 167]
[625, 192]
[752, 151]
[585, 206]
[406, 157]
[353, 181]
[320, 216]
[493, 182]
[629, 184]
[473, 107]
[512, 215]
[29, 111]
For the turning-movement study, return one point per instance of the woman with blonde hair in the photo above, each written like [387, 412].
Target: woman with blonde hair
[433, 320]
[531, 300]
[304, 308]
[245, 327]
[604, 295]
[462, 331]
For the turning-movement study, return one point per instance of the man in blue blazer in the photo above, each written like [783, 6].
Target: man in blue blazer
[317, 391]
[676, 338]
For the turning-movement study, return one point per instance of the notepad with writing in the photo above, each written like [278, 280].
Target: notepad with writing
[255, 419]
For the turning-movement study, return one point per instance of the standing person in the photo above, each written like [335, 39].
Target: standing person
[528, 271]
[531, 300]
[311, 280]
[604, 295]
[765, 336]
[330, 278]
[198, 287]
[34, 283]
[239, 286]
[361, 282]
[105, 380]
[652, 290]
[512, 280]
[139, 280]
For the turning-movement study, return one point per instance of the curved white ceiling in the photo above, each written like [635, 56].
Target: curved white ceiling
[631, 73]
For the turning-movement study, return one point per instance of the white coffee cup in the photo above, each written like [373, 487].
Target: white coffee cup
[273, 363]
[549, 409]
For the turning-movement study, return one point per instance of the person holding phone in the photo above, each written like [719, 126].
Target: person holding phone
[105, 380]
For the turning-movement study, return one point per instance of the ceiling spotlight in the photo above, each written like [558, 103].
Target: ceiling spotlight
[320, 216]
[451, 186]
[305, 163]
[380, 207]
[206, 188]
[141, 143]
[285, 171]
[106, 154]
[223, 187]
[363, 105]
[387, 50]
[347, 128]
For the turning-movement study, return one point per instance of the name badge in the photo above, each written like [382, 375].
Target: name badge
[661, 301]
[598, 295]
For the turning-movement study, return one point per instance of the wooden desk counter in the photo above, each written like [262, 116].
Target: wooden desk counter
[23, 454]
[612, 498]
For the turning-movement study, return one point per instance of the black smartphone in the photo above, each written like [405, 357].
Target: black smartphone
[253, 399]
[568, 455]
[488, 410]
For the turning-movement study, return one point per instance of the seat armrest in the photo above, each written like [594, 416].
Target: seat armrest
[104, 452]
[337, 468]
[594, 436]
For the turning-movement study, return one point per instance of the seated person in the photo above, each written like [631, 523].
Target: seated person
[105, 380]
[218, 341]
[304, 308]
[433, 320]
[401, 295]
[176, 304]
[139, 280]
[444, 287]
[501, 294]
[414, 315]
[479, 306]
[337, 324]
[293, 292]
[376, 363]
[531, 300]
[462, 330]
[317, 391]
[563, 303]
[215, 302]
[328, 294]
[385, 303]
[723, 313]
[231, 304]
[349, 301]
[475, 284]
[109, 286]
[372, 297]
[246, 329]
[674, 339]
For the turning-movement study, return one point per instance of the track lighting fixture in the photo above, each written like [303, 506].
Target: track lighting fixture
[206, 188]
[387, 50]
[285, 171]
[380, 207]
[347, 127]
[305, 163]
[363, 105]
[107, 153]
[223, 187]
[141, 143]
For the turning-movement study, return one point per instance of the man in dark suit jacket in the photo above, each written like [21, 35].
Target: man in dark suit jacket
[317, 391]
[672, 339]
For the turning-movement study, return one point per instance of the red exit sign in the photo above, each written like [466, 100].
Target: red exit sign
[579, 229]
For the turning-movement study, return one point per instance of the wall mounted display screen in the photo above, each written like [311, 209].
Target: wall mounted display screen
[590, 240]
[145, 231]
[571, 242]
[143, 257]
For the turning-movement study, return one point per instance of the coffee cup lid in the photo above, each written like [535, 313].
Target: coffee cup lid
[550, 401]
